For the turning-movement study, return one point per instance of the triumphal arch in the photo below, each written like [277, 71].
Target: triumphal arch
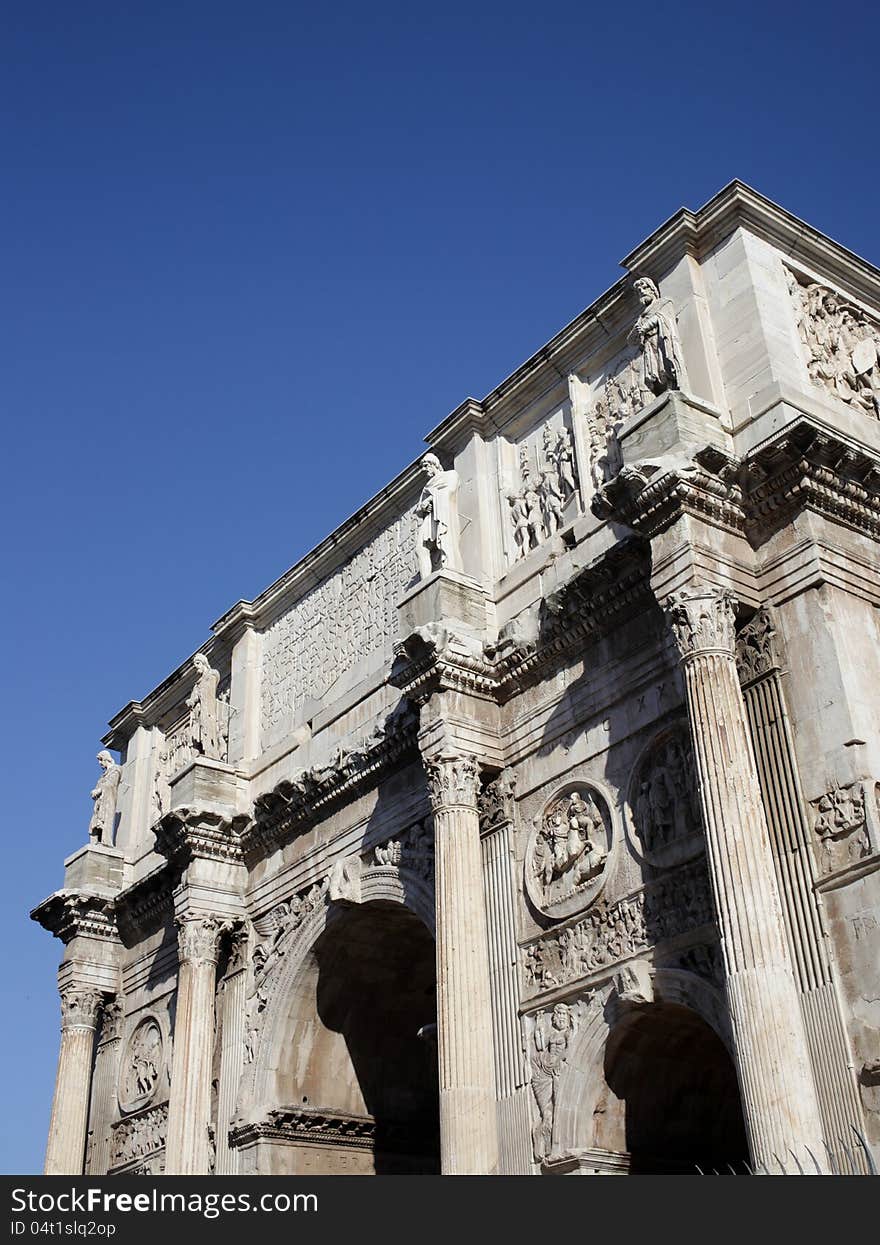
[530, 823]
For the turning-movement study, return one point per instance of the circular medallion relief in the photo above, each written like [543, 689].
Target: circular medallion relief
[568, 850]
[665, 803]
[142, 1065]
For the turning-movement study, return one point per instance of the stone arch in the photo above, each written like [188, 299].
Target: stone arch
[378, 884]
[583, 1080]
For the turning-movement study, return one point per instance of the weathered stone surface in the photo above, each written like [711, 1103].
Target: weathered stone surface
[530, 823]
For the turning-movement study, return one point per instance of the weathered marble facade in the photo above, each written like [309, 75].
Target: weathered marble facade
[530, 824]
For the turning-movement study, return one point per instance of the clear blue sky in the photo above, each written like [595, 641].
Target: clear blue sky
[253, 252]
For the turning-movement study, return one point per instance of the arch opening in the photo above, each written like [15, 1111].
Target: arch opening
[352, 1051]
[671, 1098]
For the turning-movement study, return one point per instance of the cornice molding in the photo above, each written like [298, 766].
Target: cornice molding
[70, 914]
[298, 803]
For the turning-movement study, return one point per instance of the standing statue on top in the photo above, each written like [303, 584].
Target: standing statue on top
[105, 793]
[204, 711]
[438, 510]
[656, 333]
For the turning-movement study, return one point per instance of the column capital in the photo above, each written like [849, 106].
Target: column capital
[453, 779]
[198, 939]
[703, 621]
[80, 1008]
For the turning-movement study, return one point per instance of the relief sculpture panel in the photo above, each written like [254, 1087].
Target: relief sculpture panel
[567, 851]
[344, 619]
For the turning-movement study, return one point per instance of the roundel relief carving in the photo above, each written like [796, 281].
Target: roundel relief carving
[142, 1066]
[665, 802]
[568, 850]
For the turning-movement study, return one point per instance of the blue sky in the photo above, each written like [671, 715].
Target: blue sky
[253, 253]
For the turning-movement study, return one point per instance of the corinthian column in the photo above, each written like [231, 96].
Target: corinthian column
[779, 1097]
[189, 1106]
[65, 1152]
[468, 1130]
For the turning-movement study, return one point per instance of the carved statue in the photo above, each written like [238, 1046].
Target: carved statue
[550, 1045]
[202, 702]
[438, 510]
[105, 794]
[656, 333]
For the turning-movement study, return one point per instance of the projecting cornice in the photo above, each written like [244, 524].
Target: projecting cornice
[296, 804]
[802, 468]
[70, 914]
[699, 232]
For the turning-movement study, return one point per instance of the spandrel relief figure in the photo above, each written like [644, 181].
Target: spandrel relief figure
[551, 1040]
[204, 710]
[656, 333]
[105, 795]
[438, 511]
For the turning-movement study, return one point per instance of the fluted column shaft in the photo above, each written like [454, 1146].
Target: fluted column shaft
[778, 1093]
[189, 1105]
[106, 1070]
[65, 1152]
[468, 1130]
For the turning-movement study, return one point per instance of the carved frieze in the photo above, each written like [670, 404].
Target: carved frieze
[567, 851]
[340, 622]
[139, 1137]
[840, 827]
[678, 902]
[841, 344]
[142, 1067]
[537, 507]
[664, 802]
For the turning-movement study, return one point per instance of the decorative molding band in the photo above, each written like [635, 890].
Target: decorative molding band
[311, 1126]
[189, 833]
[296, 804]
[70, 914]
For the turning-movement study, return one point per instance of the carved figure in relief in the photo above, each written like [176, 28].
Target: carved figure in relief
[550, 1045]
[144, 1062]
[438, 510]
[840, 826]
[105, 794]
[666, 807]
[656, 333]
[571, 842]
[202, 703]
[843, 345]
[552, 504]
[522, 533]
